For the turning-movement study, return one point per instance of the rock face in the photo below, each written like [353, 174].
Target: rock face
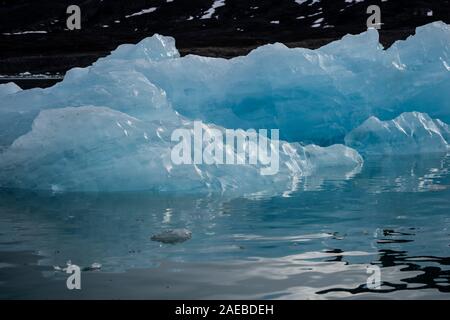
[33, 36]
[409, 133]
[172, 236]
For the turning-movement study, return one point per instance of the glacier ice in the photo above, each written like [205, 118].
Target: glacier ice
[99, 149]
[409, 133]
[107, 127]
[9, 88]
[312, 95]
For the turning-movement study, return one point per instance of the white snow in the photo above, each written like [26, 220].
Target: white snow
[317, 23]
[149, 10]
[209, 13]
[22, 32]
[300, 2]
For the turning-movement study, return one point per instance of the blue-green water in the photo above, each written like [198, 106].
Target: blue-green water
[394, 214]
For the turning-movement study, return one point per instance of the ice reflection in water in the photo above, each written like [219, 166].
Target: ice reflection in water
[316, 243]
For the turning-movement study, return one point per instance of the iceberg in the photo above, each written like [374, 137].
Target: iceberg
[409, 133]
[93, 149]
[313, 96]
[107, 127]
[9, 88]
[172, 236]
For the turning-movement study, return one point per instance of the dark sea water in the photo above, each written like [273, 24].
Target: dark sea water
[314, 244]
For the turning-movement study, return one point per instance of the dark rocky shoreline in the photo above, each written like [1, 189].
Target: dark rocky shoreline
[234, 29]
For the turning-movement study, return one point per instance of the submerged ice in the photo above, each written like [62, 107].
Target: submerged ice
[107, 127]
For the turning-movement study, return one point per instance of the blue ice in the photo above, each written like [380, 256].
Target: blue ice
[107, 127]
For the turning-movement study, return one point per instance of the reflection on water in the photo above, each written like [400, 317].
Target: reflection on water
[316, 243]
[424, 273]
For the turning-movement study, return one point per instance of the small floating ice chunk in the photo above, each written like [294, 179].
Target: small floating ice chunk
[63, 268]
[172, 236]
[93, 267]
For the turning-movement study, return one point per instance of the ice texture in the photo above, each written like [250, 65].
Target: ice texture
[99, 149]
[9, 88]
[313, 96]
[409, 133]
[107, 127]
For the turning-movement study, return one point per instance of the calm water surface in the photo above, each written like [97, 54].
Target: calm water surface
[316, 243]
